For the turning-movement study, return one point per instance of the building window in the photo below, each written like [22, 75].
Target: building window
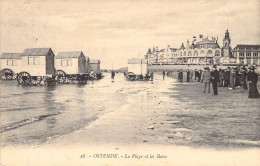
[12, 63]
[241, 54]
[255, 54]
[189, 54]
[9, 63]
[209, 52]
[196, 53]
[33, 60]
[217, 53]
[248, 54]
[64, 63]
[255, 60]
[67, 62]
[15, 63]
[202, 52]
[235, 54]
[248, 61]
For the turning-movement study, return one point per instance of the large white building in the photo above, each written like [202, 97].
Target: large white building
[206, 51]
[247, 54]
[163, 56]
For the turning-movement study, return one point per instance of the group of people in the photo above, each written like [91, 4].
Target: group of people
[230, 77]
[190, 73]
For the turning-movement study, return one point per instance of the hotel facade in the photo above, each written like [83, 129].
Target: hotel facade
[205, 51]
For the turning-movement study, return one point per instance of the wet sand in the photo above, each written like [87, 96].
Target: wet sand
[176, 121]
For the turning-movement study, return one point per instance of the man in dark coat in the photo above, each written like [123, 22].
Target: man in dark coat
[163, 74]
[252, 79]
[113, 75]
[227, 77]
[238, 78]
[151, 76]
[196, 74]
[244, 78]
[181, 75]
[215, 79]
[188, 75]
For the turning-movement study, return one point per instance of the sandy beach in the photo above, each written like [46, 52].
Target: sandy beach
[172, 124]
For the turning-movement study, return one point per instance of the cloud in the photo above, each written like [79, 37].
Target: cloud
[121, 29]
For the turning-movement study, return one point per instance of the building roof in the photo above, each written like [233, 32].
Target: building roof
[173, 49]
[10, 56]
[36, 51]
[248, 47]
[206, 40]
[137, 61]
[65, 55]
[149, 51]
[94, 61]
[182, 47]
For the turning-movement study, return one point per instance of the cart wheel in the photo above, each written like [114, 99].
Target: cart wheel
[15, 76]
[36, 80]
[61, 76]
[7, 74]
[73, 79]
[24, 78]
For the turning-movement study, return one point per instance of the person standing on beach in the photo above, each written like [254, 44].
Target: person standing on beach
[252, 79]
[181, 75]
[112, 75]
[151, 76]
[244, 78]
[215, 79]
[238, 77]
[191, 75]
[92, 76]
[232, 78]
[220, 83]
[227, 77]
[196, 74]
[163, 74]
[188, 75]
[206, 79]
[199, 75]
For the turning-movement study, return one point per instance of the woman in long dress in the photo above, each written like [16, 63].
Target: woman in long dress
[252, 79]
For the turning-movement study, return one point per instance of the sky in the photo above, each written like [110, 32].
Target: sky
[116, 30]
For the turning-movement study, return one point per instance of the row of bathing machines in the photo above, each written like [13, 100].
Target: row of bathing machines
[39, 65]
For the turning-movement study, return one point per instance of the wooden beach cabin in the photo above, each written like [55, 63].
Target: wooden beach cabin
[10, 64]
[71, 62]
[95, 66]
[38, 61]
[138, 66]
